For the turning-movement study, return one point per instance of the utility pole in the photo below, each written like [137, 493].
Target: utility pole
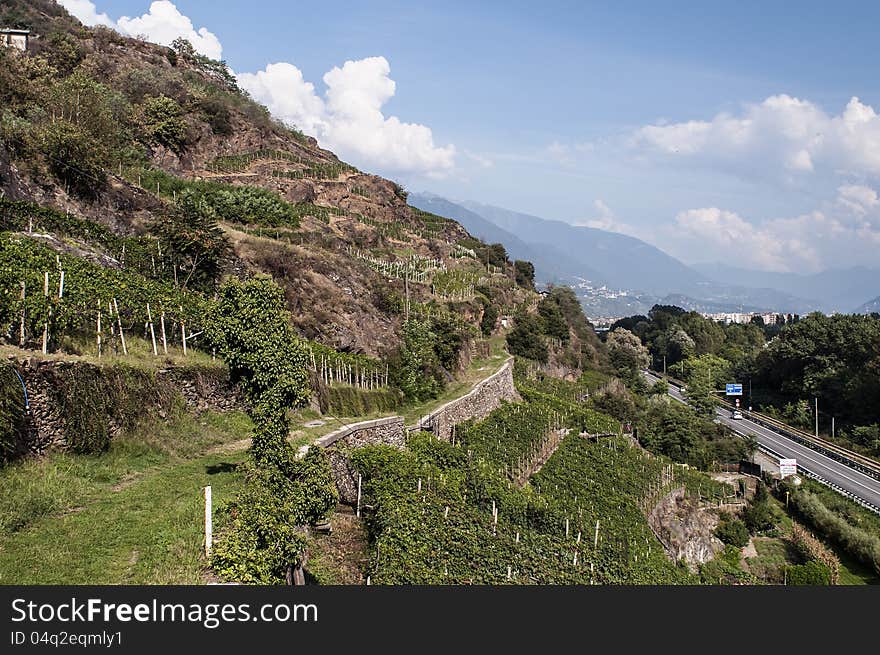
[832, 427]
[816, 398]
[664, 366]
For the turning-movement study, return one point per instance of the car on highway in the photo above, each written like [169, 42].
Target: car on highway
[736, 414]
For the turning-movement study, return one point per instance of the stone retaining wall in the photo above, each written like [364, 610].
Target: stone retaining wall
[389, 431]
[485, 397]
[201, 389]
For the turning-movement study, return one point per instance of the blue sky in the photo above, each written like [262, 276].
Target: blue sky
[713, 130]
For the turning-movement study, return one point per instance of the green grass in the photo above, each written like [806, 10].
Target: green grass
[132, 515]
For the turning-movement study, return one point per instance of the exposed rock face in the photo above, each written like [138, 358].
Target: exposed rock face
[685, 529]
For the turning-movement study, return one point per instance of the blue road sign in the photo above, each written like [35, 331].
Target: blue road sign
[734, 390]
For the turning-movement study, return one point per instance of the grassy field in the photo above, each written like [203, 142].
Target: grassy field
[133, 515]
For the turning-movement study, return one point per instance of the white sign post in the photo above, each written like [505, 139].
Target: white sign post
[208, 523]
[787, 467]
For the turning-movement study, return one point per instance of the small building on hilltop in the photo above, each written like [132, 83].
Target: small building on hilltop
[11, 37]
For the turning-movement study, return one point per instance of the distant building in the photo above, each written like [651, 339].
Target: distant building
[14, 38]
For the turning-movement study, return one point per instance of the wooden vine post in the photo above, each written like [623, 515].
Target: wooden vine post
[21, 337]
[183, 331]
[46, 323]
[162, 329]
[98, 331]
[119, 324]
[152, 330]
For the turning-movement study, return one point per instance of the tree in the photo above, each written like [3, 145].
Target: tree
[191, 237]
[524, 273]
[163, 122]
[74, 158]
[628, 355]
[490, 316]
[524, 340]
[732, 531]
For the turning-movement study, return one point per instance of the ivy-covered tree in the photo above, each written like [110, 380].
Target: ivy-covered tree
[250, 328]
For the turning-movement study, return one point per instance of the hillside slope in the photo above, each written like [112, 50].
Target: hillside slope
[187, 180]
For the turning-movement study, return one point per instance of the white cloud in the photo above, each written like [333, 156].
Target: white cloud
[843, 232]
[605, 219]
[86, 12]
[349, 119]
[782, 135]
[858, 199]
[163, 23]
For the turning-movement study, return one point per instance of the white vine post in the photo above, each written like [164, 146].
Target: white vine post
[162, 327]
[119, 323]
[46, 324]
[152, 330]
[209, 528]
[98, 331]
[183, 331]
[22, 335]
[359, 496]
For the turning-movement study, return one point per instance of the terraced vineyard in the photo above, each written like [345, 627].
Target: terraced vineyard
[448, 513]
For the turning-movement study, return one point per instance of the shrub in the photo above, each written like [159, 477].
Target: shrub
[812, 573]
[163, 122]
[732, 531]
[524, 273]
[74, 158]
[524, 340]
[490, 316]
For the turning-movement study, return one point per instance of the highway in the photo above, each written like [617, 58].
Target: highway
[829, 470]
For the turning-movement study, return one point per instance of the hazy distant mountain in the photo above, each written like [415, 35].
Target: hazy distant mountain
[588, 258]
[869, 307]
[622, 261]
[835, 290]
[551, 264]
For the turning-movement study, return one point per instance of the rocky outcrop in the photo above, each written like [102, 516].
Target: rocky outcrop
[685, 528]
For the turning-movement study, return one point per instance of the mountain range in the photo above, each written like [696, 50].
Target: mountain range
[589, 259]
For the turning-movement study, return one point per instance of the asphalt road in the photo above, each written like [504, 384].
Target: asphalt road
[856, 483]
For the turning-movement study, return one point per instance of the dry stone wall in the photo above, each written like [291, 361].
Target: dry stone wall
[201, 389]
[485, 397]
[389, 431]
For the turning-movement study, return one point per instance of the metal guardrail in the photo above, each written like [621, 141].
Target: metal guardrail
[818, 478]
[852, 459]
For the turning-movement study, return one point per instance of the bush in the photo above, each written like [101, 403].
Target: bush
[732, 531]
[490, 316]
[163, 122]
[74, 158]
[524, 273]
[812, 573]
[524, 340]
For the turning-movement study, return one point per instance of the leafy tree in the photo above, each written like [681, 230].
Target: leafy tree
[553, 322]
[250, 327]
[415, 369]
[163, 122]
[628, 355]
[732, 531]
[74, 158]
[196, 244]
[524, 340]
[524, 273]
[490, 316]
